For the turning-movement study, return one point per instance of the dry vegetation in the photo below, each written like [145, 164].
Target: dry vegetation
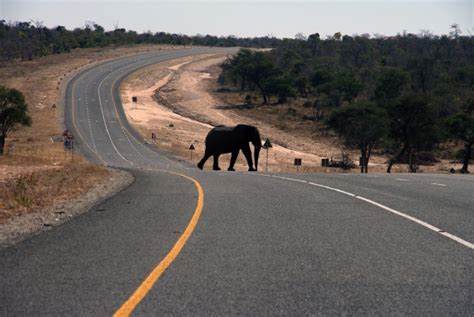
[35, 172]
[34, 189]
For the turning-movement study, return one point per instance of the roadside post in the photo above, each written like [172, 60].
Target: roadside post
[267, 145]
[297, 164]
[153, 137]
[134, 102]
[68, 143]
[325, 164]
[191, 149]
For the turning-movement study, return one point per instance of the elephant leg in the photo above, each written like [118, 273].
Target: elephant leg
[201, 163]
[216, 163]
[248, 156]
[233, 158]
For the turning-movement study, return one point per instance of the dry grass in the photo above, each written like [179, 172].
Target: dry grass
[37, 172]
[31, 191]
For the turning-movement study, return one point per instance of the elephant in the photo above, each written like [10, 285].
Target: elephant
[222, 139]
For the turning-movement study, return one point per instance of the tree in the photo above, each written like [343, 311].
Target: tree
[461, 127]
[456, 31]
[12, 112]
[363, 125]
[280, 87]
[412, 128]
[391, 83]
[342, 87]
[252, 69]
[313, 43]
[260, 70]
[349, 86]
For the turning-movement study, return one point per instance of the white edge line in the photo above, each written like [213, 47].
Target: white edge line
[438, 184]
[416, 220]
[105, 124]
[334, 189]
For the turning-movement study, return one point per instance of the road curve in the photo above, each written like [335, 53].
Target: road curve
[260, 245]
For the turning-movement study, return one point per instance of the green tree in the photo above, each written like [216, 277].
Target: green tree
[343, 87]
[314, 42]
[260, 70]
[461, 127]
[12, 113]
[413, 128]
[281, 88]
[362, 125]
[391, 83]
[252, 69]
[349, 86]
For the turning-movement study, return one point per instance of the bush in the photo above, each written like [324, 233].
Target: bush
[345, 162]
[248, 100]
[426, 158]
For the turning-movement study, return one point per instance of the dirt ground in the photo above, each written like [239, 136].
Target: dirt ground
[35, 162]
[179, 102]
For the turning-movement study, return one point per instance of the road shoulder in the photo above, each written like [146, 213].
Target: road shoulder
[26, 225]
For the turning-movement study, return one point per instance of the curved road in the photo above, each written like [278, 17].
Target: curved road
[317, 244]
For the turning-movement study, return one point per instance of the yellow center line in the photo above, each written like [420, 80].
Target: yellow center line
[127, 308]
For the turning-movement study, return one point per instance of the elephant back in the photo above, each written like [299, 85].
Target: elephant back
[221, 128]
[219, 138]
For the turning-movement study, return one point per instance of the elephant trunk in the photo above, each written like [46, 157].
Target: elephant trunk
[257, 143]
[256, 154]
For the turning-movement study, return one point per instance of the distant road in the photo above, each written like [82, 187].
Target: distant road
[180, 241]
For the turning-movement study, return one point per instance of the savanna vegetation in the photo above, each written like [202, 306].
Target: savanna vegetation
[404, 95]
[26, 40]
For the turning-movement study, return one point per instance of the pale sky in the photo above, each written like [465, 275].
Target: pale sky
[249, 18]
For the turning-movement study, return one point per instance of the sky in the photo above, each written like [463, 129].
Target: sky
[250, 18]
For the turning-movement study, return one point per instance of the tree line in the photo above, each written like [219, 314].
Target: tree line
[26, 40]
[404, 94]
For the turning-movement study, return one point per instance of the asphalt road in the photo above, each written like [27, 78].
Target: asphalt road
[318, 244]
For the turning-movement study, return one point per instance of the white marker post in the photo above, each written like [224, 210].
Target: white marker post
[192, 148]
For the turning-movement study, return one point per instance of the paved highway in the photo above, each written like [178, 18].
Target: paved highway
[180, 241]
